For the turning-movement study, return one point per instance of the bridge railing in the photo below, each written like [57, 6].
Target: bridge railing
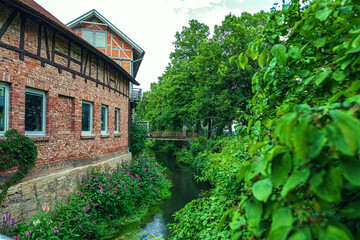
[166, 134]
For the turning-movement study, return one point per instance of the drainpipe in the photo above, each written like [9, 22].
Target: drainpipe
[129, 134]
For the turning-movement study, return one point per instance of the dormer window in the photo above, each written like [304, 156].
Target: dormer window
[95, 38]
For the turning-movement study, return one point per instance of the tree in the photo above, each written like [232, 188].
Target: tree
[200, 85]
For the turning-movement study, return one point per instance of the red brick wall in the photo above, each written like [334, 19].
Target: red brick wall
[64, 94]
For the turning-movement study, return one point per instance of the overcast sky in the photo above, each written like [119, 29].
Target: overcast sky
[152, 24]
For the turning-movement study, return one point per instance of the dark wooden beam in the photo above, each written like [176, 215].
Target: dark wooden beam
[86, 60]
[103, 71]
[69, 53]
[90, 65]
[22, 35]
[66, 56]
[81, 60]
[97, 72]
[39, 39]
[53, 47]
[7, 23]
[47, 43]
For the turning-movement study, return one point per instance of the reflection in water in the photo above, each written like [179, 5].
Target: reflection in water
[185, 189]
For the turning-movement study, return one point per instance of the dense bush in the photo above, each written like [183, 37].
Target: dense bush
[105, 193]
[138, 134]
[16, 151]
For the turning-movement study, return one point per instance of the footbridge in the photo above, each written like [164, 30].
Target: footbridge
[171, 136]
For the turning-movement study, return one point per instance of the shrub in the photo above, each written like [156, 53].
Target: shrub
[69, 218]
[151, 176]
[138, 134]
[16, 151]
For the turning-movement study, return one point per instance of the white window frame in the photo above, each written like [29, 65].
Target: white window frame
[91, 117]
[43, 95]
[106, 119]
[94, 32]
[6, 108]
[116, 120]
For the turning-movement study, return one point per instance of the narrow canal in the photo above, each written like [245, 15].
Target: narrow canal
[185, 189]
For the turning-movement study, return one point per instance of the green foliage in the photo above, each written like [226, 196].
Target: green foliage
[196, 157]
[16, 151]
[199, 219]
[138, 136]
[208, 217]
[295, 169]
[170, 148]
[303, 131]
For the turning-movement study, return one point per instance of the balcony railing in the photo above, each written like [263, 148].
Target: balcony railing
[136, 94]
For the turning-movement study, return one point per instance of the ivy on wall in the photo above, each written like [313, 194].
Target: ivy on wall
[16, 151]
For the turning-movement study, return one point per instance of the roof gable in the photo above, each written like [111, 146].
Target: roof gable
[95, 16]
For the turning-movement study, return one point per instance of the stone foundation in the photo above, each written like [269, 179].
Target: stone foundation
[41, 186]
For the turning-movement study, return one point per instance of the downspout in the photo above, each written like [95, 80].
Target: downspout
[129, 117]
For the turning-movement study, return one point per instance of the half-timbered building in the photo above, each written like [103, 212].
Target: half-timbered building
[66, 94]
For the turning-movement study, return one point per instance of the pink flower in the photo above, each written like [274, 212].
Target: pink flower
[46, 208]
[36, 222]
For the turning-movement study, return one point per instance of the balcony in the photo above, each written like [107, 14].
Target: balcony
[136, 94]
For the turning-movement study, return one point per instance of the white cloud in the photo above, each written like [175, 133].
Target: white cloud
[191, 4]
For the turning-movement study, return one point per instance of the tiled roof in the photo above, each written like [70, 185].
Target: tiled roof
[37, 7]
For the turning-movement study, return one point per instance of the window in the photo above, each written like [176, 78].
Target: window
[4, 108]
[116, 121]
[95, 38]
[86, 117]
[104, 119]
[35, 106]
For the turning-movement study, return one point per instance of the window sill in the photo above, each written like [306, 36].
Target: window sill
[105, 135]
[39, 138]
[88, 136]
[117, 135]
